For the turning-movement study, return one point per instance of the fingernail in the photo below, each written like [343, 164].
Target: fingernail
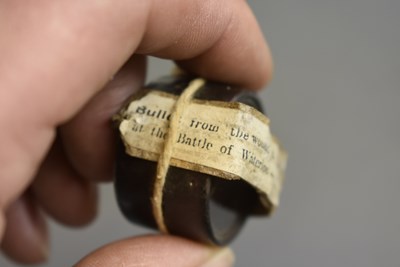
[221, 258]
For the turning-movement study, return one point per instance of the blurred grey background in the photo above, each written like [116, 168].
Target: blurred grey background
[334, 103]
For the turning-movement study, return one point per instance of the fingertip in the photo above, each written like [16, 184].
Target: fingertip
[25, 237]
[158, 250]
[240, 55]
[62, 193]
[262, 75]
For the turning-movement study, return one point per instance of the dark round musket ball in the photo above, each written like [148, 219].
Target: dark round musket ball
[197, 206]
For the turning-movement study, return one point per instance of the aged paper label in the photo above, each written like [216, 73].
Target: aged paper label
[228, 140]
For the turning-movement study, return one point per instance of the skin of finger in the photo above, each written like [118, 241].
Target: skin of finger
[237, 48]
[234, 39]
[62, 193]
[57, 54]
[157, 250]
[89, 139]
[25, 238]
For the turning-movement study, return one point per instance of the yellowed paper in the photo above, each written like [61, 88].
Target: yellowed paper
[228, 140]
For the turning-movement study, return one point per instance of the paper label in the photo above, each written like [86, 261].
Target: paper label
[228, 140]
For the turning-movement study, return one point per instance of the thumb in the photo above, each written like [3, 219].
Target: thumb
[158, 250]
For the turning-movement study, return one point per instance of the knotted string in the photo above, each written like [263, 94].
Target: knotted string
[166, 153]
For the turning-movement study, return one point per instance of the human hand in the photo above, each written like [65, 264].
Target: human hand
[66, 68]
